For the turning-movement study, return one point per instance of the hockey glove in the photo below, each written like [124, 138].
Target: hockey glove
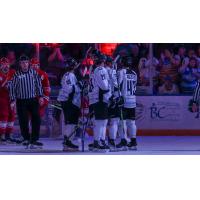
[112, 102]
[120, 101]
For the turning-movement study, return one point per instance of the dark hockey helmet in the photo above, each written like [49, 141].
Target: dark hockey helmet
[109, 59]
[126, 61]
[100, 59]
[70, 63]
[94, 54]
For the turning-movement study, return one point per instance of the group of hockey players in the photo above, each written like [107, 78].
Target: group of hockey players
[110, 85]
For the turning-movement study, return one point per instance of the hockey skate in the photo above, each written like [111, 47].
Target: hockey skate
[25, 143]
[112, 145]
[122, 146]
[10, 140]
[69, 146]
[132, 145]
[36, 145]
[98, 148]
[105, 146]
[91, 146]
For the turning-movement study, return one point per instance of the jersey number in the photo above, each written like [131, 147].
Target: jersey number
[131, 87]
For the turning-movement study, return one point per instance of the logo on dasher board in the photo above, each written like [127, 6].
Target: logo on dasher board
[165, 111]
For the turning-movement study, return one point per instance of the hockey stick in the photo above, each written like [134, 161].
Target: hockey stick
[55, 106]
[82, 134]
[79, 125]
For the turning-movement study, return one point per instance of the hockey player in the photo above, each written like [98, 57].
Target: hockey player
[99, 95]
[113, 109]
[69, 96]
[127, 80]
[7, 115]
[35, 64]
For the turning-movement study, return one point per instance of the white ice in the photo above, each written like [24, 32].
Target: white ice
[147, 145]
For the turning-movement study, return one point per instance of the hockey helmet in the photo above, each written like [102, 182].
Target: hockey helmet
[109, 59]
[100, 59]
[127, 61]
[71, 63]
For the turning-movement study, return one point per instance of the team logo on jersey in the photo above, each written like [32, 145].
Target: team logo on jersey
[42, 77]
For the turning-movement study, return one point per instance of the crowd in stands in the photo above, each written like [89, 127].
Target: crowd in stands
[174, 69]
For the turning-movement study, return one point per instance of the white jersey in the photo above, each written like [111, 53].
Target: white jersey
[69, 84]
[99, 80]
[128, 81]
[112, 73]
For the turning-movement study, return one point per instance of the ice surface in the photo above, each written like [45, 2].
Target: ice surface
[147, 145]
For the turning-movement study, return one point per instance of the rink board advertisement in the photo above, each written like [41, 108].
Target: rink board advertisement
[154, 115]
[165, 112]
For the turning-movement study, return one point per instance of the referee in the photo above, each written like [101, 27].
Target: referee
[25, 88]
[196, 97]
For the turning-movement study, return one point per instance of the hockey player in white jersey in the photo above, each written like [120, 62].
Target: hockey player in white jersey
[127, 79]
[113, 109]
[99, 95]
[69, 96]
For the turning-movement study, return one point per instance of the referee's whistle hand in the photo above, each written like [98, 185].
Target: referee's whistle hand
[13, 105]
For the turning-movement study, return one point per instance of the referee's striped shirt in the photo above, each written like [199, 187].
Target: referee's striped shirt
[196, 96]
[25, 85]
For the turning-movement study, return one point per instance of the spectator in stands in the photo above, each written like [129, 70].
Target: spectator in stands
[144, 73]
[191, 53]
[168, 65]
[143, 49]
[181, 52]
[153, 65]
[198, 55]
[12, 59]
[168, 87]
[56, 63]
[147, 70]
[190, 73]
[56, 57]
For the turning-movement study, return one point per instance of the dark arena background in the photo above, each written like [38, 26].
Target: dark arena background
[167, 76]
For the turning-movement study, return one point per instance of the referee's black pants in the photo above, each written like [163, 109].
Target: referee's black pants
[29, 109]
